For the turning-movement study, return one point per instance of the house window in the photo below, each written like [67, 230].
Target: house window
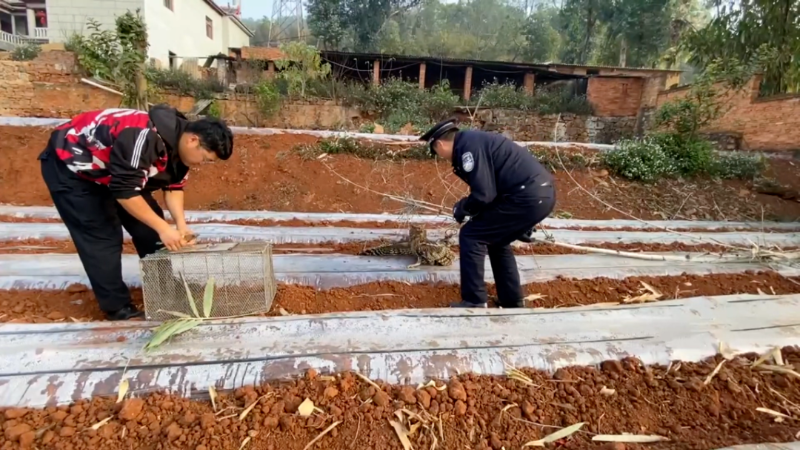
[209, 28]
[168, 4]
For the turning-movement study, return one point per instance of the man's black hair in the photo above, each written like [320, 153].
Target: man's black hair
[214, 134]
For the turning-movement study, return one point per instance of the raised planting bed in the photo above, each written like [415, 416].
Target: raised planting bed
[265, 173]
[77, 302]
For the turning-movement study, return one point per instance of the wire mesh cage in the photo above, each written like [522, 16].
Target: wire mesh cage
[244, 280]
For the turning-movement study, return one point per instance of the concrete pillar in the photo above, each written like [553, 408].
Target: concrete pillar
[529, 82]
[468, 83]
[376, 72]
[31, 22]
[422, 69]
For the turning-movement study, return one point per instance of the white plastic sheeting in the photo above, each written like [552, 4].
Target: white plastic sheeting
[60, 363]
[49, 213]
[57, 271]
[316, 235]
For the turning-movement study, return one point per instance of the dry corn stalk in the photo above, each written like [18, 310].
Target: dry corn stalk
[560, 434]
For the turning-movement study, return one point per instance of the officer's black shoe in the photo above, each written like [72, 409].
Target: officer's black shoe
[527, 237]
[126, 313]
[519, 304]
[463, 304]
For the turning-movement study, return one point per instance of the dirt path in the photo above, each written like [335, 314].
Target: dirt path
[469, 412]
[265, 173]
[78, 303]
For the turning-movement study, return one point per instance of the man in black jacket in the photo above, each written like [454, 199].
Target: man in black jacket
[101, 169]
[510, 192]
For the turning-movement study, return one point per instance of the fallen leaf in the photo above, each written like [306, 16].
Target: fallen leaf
[629, 438]
[772, 412]
[97, 426]
[212, 394]
[319, 436]
[726, 351]
[306, 408]
[250, 408]
[714, 373]
[124, 385]
[777, 356]
[244, 442]
[402, 434]
[560, 434]
[507, 407]
[533, 297]
[432, 384]
[607, 391]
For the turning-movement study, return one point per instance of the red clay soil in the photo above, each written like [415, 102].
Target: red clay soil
[36, 246]
[266, 174]
[469, 412]
[78, 303]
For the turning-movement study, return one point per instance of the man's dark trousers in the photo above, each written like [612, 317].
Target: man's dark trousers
[494, 230]
[95, 220]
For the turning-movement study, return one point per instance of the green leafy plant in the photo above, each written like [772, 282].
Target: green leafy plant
[213, 110]
[268, 97]
[544, 100]
[183, 83]
[691, 155]
[301, 65]
[183, 322]
[740, 166]
[26, 52]
[639, 160]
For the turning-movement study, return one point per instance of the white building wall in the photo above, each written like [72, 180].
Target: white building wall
[237, 38]
[65, 17]
[182, 31]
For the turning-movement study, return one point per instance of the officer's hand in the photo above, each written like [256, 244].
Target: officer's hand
[172, 239]
[458, 211]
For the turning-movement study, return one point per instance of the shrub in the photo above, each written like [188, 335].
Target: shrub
[268, 97]
[739, 166]
[691, 156]
[639, 160]
[184, 83]
[544, 101]
[213, 110]
[26, 52]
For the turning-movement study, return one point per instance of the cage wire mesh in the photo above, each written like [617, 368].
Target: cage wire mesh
[244, 280]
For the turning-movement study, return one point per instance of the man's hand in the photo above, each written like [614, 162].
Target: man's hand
[172, 239]
[188, 235]
[458, 211]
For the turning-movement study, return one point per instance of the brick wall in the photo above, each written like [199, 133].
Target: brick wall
[615, 96]
[49, 87]
[561, 128]
[765, 124]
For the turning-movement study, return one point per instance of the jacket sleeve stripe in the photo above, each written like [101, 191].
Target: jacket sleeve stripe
[137, 148]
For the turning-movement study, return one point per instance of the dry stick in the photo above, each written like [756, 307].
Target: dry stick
[648, 257]
[418, 203]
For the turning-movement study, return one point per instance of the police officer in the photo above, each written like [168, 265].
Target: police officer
[510, 192]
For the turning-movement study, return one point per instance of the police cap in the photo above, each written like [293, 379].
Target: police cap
[438, 131]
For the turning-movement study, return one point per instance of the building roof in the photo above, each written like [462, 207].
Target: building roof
[632, 69]
[262, 53]
[233, 18]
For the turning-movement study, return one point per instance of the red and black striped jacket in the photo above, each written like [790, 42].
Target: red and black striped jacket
[129, 151]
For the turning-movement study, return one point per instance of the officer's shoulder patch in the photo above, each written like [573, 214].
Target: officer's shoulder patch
[467, 162]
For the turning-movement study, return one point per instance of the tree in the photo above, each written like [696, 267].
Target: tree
[543, 39]
[301, 64]
[327, 21]
[743, 28]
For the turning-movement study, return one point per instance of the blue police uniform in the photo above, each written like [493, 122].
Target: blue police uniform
[510, 192]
